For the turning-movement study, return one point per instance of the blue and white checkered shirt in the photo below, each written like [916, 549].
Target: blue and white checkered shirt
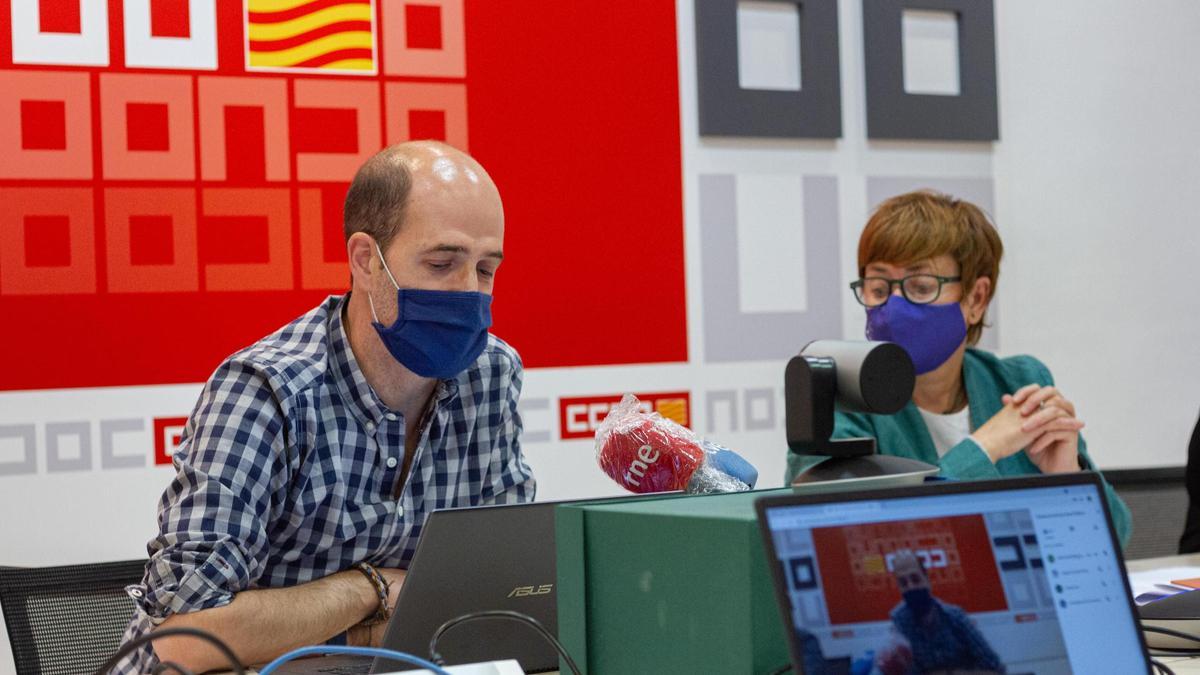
[287, 470]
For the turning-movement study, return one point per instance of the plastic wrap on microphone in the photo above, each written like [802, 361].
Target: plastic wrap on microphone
[646, 452]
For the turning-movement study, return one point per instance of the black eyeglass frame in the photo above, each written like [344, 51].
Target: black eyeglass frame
[856, 286]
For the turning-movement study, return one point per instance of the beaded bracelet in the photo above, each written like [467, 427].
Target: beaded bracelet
[382, 587]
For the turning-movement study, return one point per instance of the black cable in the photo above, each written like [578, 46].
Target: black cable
[1182, 651]
[128, 648]
[1173, 633]
[498, 614]
[1174, 651]
[1162, 667]
[781, 670]
[171, 667]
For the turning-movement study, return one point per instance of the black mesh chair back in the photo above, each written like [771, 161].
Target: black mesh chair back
[66, 619]
[1189, 542]
[1158, 502]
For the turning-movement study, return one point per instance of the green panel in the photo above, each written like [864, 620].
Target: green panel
[572, 591]
[677, 585]
[767, 626]
[659, 591]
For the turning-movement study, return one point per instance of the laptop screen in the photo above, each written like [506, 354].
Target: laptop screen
[1007, 579]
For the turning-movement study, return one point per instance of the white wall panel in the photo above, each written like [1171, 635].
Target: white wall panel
[1096, 175]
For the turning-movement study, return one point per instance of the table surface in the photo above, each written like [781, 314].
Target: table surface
[1165, 561]
[1179, 664]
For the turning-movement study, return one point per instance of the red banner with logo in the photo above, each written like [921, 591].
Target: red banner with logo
[171, 172]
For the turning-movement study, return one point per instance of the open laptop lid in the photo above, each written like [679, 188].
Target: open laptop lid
[473, 559]
[1023, 572]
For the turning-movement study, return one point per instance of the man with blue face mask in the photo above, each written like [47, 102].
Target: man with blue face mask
[937, 637]
[312, 458]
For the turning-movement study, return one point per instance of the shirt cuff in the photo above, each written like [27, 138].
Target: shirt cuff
[172, 587]
[968, 460]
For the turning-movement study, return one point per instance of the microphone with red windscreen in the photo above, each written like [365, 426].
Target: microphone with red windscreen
[646, 452]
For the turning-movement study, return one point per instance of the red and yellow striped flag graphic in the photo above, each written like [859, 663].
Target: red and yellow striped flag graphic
[325, 34]
[674, 409]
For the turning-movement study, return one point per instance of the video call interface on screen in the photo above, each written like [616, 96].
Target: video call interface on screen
[1017, 581]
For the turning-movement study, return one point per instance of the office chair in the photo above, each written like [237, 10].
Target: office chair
[1189, 542]
[1158, 502]
[66, 619]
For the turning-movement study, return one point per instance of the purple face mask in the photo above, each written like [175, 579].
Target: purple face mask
[929, 333]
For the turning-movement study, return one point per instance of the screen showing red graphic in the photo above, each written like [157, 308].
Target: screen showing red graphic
[955, 551]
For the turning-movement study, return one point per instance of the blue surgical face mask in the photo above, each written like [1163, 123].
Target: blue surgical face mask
[919, 600]
[436, 333]
[929, 333]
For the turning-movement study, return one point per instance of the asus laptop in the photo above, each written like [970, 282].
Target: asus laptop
[468, 560]
[1020, 575]
[474, 559]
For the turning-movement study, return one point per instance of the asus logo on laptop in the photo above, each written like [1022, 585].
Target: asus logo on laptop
[525, 591]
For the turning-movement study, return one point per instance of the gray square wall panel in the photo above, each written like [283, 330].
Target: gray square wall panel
[731, 334]
[893, 113]
[726, 109]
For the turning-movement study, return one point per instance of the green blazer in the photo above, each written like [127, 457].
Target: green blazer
[987, 378]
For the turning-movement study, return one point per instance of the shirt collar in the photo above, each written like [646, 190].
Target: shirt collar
[351, 384]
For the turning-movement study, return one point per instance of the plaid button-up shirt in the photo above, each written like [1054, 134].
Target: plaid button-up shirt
[288, 465]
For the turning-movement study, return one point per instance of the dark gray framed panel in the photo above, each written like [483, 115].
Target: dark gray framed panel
[726, 109]
[893, 113]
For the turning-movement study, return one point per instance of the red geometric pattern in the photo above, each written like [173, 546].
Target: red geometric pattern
[43, 125]
[594, 271]
[956, 552]
[170, 18]
[61, 16]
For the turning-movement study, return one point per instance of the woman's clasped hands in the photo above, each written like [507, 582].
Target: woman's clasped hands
[1038, 420]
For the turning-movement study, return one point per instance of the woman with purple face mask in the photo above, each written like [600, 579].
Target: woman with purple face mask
[928, 265]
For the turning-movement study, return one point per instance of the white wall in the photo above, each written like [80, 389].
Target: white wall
[1097, 171]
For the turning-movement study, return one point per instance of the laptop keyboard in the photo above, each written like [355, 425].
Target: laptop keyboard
[356, 669]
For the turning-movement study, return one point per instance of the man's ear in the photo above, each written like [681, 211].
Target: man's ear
[978, 299]
[360, 251]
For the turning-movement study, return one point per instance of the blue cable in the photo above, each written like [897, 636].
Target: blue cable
[359, 651]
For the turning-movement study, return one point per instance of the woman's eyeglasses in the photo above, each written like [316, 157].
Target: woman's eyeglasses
[919, 289]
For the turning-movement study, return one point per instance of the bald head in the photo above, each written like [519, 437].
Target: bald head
[387, 184]
[909, 571]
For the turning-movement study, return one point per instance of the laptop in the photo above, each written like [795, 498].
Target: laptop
[467, 560]
[474, 559]
[1020, 575]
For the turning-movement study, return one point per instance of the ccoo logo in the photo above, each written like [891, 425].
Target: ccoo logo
[579, 417]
